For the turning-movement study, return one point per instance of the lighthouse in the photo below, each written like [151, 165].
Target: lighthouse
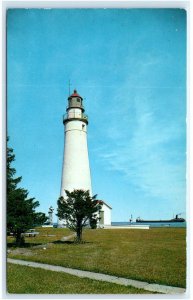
[76, 169]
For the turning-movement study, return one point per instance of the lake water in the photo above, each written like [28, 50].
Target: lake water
[177, 224]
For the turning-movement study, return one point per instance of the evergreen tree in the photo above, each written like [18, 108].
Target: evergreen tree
[21, 214]
[78, 210]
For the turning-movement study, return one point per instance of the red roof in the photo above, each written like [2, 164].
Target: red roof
[75, 94]
[103, 202]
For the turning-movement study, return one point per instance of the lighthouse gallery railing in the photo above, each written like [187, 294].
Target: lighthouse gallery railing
[75, 115]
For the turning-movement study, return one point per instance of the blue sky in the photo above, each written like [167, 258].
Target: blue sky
[129, 65]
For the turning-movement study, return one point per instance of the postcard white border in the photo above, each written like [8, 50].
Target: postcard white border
[96, 4]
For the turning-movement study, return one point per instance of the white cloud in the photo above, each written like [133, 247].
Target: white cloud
[144, 157]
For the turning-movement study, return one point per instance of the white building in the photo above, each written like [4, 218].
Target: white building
[76, 169]
[105, 214]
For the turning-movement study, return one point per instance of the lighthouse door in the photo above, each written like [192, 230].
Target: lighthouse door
[101, 216]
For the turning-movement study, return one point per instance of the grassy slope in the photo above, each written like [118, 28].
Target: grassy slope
[27, 280]
[157, 255]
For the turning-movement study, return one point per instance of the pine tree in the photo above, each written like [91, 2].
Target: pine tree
[78, 210]
[21, 214]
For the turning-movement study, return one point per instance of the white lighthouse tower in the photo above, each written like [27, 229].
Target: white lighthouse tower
[76, 170]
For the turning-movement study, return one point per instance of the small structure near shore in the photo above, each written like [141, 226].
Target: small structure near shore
[49, 222]
[50, 213]
[104, 214]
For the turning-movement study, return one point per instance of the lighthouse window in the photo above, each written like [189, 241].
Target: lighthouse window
[78, 100]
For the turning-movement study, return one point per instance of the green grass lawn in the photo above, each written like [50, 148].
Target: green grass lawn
[157, 255]
[27, 280]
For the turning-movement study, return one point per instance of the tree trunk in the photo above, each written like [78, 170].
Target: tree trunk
[20, 240]
[79, 234]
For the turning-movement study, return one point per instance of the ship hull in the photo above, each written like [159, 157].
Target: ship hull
[161, 221]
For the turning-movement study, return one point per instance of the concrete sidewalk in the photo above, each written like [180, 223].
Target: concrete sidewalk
[163, 289]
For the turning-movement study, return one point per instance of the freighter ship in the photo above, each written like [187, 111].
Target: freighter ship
[176, 219]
